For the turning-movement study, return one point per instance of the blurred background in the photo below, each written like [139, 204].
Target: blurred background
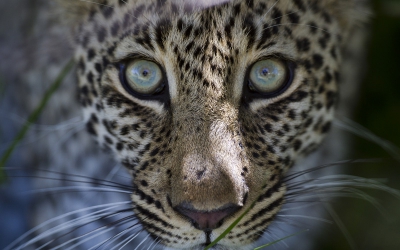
[378, 110]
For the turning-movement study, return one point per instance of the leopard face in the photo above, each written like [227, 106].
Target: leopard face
[181, 93]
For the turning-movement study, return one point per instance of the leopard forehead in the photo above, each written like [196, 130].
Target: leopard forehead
[205, 53]
[205, 146]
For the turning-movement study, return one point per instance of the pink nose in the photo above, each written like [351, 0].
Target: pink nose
[206, 220]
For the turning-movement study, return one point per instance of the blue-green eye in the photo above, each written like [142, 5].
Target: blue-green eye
[144, 77]
[267, 76]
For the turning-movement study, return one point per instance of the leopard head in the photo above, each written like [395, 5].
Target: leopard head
[209, 103]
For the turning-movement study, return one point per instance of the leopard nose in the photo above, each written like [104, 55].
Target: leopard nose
[206, 220]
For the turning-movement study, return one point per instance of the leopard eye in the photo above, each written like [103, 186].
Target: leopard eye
[268, 76]
[144, 77]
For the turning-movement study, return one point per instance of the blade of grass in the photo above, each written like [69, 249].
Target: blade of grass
[33, 117]
[357, 129]
[230, 227]
[276, 241]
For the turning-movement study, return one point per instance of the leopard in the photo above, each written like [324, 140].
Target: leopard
[209, 105]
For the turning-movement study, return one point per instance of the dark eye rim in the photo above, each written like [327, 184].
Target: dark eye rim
[249, 94]
[162, 95]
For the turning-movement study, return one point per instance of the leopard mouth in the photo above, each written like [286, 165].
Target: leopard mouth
[207, 220]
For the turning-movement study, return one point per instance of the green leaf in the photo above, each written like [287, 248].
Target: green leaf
[33, 117]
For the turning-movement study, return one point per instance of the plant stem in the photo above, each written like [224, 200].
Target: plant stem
[33, 117]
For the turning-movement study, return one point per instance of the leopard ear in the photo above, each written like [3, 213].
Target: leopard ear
[350, 13]
[73, 11]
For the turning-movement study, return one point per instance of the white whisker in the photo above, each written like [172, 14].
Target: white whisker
[307, 205]
[154, 242]
[298, 24]
[70, 133]
[140, 242]
[30, 232]
[273, 237]
[113, 172]
[115, 237]
[76, 189]
[357, 129]
[305, 217]
[112, 7]
[85, 240]
[331, 186]
[106, 5]
[76, 223]
[126, 241]
[102, 229]
[270, 9]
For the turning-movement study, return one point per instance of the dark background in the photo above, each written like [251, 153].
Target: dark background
[379, 111]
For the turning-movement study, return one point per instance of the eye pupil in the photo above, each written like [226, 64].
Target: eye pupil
[145, 72]
[265, 72]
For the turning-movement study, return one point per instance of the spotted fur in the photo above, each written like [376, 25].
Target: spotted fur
[206, 142]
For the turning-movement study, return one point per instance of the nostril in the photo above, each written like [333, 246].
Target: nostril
[206, 220]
